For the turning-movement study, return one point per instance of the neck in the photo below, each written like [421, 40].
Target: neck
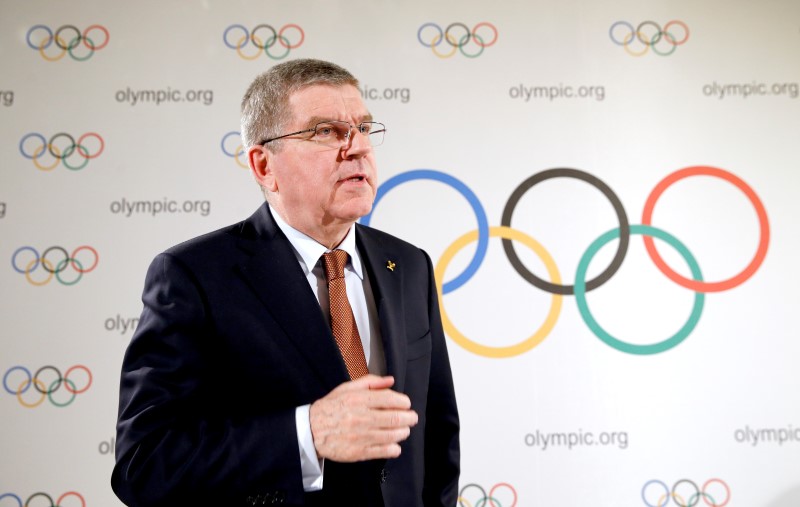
[328, 234]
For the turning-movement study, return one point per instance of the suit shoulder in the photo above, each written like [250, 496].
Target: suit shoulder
[217, 240]
[386, 240]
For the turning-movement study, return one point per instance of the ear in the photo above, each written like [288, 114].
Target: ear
[260, 159]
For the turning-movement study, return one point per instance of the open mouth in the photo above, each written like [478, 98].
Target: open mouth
[356, 178]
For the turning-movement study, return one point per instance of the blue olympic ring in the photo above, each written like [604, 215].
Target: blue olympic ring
[469, 195]
[241, 27]
[12, 495]
[225, 138]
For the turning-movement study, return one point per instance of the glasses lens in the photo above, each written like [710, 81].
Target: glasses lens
[374, 131]
[332, 133]
[336, 133]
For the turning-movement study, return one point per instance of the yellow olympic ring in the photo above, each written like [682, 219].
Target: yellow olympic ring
[240, 149]
[241, 44]
[461, 500]
[436, 40]
[510, 350]
[678, 499]
[43, 392]
[628, 39]
[55, 58]
[30, 268]
[40, 151]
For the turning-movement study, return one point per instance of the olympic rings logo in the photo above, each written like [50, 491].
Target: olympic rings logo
[57, 503]
[652, 491]
[649, 35]
[479, 498]
[458, 36]
[46, 389]
[265, 42]
[54, 268]
[581, 285]
[238, 148]
[67, 39]
[61, 147]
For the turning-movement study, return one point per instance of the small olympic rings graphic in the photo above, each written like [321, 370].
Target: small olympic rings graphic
[501, 494]
[232, 146]
[649, 35]
[46, 154]
[458, 37]
[26, 260]
[58, 503]
[264, 39]
[68, 39]
[554, 286]
[658, 491]
[45, 388]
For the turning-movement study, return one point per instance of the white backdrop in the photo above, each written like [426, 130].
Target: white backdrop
[115, 122]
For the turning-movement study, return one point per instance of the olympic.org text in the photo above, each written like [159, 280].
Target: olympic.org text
[580, 438]
[156, 207]
[2, 210]
[167, 95]
[759, 436]
[724, 91]
[7, 98]
[121, 324]
[401, 94]
[560, 91]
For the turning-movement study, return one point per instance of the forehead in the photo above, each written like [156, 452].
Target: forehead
[327, 102]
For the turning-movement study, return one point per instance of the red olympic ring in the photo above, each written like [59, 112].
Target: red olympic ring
[475, 33]
[95, 27]
[290, 46]
[71, 493]
[77, 391]
[763, 223]
[82, 148]
[75, 252]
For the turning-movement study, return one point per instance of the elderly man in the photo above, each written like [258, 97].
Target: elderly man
[294, 358]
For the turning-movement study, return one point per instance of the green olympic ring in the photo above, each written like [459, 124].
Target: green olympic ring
[630, 348]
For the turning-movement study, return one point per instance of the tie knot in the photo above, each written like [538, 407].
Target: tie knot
[334, 264]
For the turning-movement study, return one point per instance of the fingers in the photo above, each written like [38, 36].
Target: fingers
[362, 420]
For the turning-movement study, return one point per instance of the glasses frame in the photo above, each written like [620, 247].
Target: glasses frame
[346, 139]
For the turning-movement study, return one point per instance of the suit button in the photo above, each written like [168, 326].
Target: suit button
[384, 475]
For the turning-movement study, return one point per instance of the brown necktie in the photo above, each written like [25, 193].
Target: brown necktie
[343, 323]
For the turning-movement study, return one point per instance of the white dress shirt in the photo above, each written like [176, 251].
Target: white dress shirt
[362, 301]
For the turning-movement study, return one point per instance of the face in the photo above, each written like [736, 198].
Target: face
[314, 186]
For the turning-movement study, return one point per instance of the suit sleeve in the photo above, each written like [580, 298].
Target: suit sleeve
[177, 443]
[442, 451]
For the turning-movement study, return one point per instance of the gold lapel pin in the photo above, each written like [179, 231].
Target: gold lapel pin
[390, 265]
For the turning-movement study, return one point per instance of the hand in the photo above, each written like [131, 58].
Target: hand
[360, 420]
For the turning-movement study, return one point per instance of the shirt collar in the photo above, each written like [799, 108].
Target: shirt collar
[308, 251]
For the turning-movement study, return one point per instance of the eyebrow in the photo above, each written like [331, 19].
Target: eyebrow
[320, 119]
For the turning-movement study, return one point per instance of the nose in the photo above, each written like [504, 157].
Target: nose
[356, 144]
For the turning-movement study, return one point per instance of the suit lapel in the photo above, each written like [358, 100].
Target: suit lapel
[387, 287]
[273, 272]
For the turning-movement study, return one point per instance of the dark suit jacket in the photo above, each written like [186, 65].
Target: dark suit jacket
[232, 339]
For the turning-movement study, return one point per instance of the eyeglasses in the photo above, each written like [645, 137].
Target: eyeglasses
[336, 133]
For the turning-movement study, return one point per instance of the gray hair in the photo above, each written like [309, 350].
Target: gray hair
[265, 106]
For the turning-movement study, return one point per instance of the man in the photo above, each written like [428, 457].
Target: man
[235, 390]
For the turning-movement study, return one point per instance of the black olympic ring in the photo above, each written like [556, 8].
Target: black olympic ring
[624, 230]
[268, 43]
[73, 43]
[462, 40]
[56, 383]
[58, 267]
